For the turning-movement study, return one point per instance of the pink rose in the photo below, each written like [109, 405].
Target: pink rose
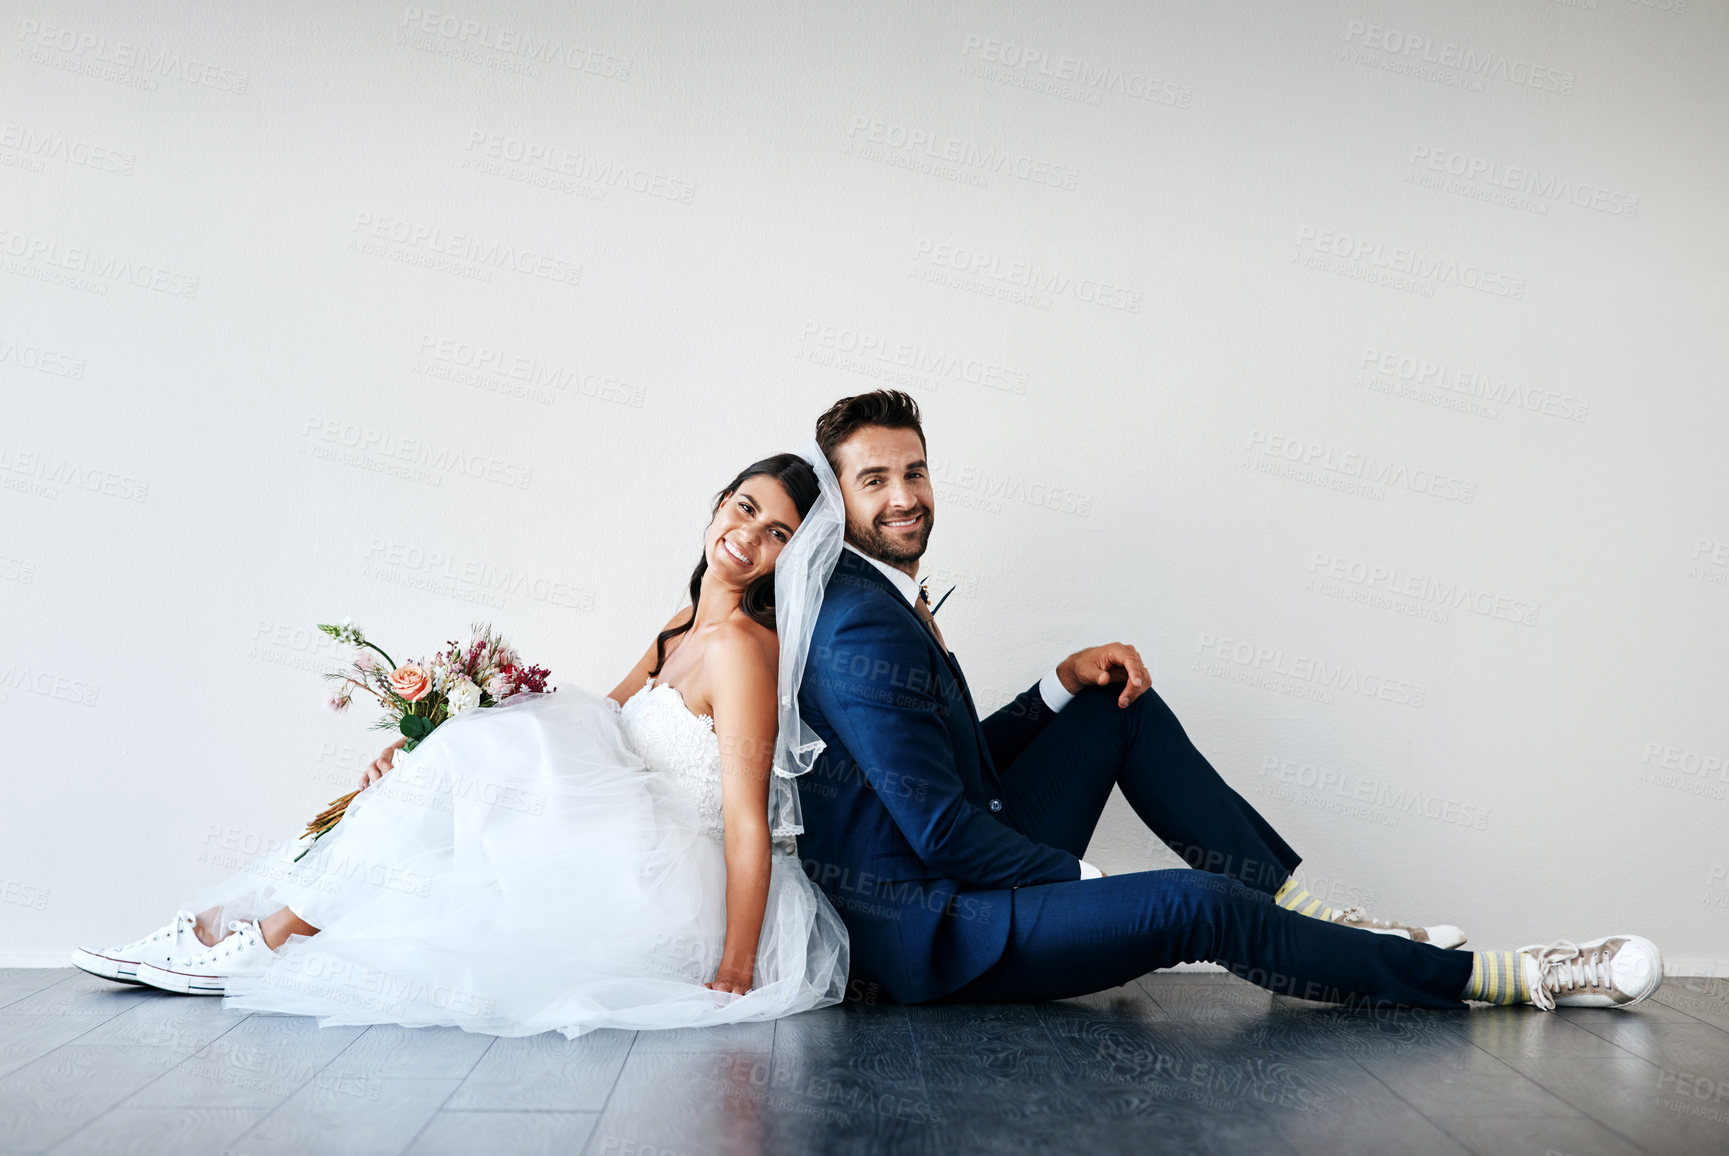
[411, 682]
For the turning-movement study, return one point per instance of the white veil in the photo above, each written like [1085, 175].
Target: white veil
[801, 574]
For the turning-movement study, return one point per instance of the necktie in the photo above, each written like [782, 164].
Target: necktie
[923, 607]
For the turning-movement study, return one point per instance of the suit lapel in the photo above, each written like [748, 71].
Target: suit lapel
[869, 573]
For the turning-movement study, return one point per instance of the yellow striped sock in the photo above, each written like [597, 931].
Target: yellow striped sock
[1300, 900]
[1497, 977]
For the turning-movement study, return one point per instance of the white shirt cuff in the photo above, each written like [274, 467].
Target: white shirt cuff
[1052, 691]
[1088, 871]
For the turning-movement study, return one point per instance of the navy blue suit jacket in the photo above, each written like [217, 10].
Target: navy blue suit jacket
[900, 830]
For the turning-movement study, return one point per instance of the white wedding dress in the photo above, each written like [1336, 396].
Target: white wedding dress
[551, 864]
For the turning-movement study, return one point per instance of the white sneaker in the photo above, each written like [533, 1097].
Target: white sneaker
[241, 954]
[163, 946]
[1615, 971]
[1441, 934]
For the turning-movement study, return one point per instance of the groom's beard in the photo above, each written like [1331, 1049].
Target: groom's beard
[884, 544]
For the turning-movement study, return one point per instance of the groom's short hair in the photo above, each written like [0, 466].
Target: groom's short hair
[885, 407]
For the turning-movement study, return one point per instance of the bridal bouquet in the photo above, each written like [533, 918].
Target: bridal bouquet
[419, 695]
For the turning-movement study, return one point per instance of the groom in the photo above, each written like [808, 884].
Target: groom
[950, 844]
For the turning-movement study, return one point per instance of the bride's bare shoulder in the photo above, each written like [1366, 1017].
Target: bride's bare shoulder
[747, 643]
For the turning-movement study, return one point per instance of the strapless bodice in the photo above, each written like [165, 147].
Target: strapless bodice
[677, 744]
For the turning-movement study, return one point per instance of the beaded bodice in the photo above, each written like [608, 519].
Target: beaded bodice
[679, 745]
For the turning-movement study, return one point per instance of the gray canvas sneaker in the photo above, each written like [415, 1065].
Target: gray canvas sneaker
[1615, 971]
[1441, 934]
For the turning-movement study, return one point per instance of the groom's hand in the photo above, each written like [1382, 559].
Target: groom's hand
[1106, 665]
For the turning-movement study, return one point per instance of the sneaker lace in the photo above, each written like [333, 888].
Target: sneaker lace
[182, 921]
[1563, 968]
[229, 944]
[1358, 915]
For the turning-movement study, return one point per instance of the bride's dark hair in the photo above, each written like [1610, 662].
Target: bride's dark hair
[799, 480]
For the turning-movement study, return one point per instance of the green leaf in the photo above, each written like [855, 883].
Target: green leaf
[416, 727]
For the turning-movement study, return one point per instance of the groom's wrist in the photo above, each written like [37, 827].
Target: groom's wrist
[1052, 690]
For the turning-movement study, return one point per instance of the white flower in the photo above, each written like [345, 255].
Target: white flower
[345, 631]
[462, 695]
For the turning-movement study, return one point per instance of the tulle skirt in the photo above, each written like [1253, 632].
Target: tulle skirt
[522, 870]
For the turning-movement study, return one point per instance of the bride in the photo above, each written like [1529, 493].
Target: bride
[570, 861]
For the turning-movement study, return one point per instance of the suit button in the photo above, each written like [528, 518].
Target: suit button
[996, 804]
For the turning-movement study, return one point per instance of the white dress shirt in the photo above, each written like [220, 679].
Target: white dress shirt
[1051, 689]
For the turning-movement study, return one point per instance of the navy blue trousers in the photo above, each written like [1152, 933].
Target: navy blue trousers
[1068, 939]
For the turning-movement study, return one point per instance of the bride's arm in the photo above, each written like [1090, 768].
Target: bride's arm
[632, 682]
[741, 668]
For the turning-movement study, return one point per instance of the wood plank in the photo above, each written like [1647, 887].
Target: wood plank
[179, 1024]
[153, 1131]
[261, 1062]
[545, 1072]
[469, 1133]
[1705, 998]
[1445, 1081]
[1523, 1031]
[1486, 1136]
[52, 1096]
[25, 1038]
[1339, 1109]
[751, 1037]
[391, 1050]
[691, 1103]
[343, 1115]
[1635, 1099]
[19, 982]
[79, 993]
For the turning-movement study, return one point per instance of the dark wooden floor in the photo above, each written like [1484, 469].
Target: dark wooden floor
[1172, 1063]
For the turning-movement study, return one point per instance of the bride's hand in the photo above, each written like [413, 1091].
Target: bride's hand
[733, 979]
[381, 763]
